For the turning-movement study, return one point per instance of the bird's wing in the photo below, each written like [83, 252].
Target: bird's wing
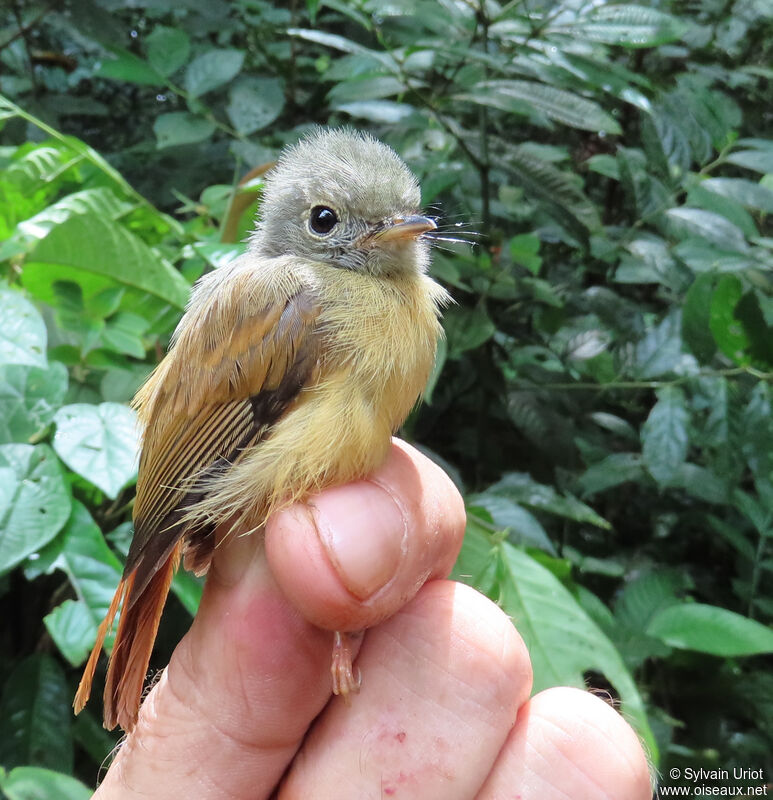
[238, 363]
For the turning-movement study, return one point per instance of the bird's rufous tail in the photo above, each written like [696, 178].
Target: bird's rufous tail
[128, 664]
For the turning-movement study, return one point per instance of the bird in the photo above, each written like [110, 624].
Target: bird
[289, 372]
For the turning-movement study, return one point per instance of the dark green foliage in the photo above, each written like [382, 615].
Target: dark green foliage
[603, 396]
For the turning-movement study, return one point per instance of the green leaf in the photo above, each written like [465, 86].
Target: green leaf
[713, 227]
[212, 69]
[526, 97]
[522, 488]
[625, 25]
[37, 716]
[121, 65]
[29, 397]
[88, 245]
[611, 471]
[384, 111]
[254, 103]
[747, 193]
[99, 201]
[727, 330]
[664, 435]
[710, 629]
[361, 88]
[757, 160]
[659, 352]
[564, 643]
[168, 49]
[696, 318]
[36, 783]
[23, 332]
[81, 552]
[181, 127]
[100, 443]
[71, 628]
[466, 329]
[555, 189]
[524, 249]
[524, 528]
[341, 43]
[34, 501]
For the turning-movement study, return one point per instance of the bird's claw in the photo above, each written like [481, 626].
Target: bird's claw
[347, 679]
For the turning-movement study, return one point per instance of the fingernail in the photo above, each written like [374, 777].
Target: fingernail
[362, 529]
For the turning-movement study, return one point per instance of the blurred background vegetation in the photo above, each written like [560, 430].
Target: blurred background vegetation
[603, 396]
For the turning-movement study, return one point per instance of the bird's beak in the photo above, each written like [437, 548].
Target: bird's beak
[405, 228]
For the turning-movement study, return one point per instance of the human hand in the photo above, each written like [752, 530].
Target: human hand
[244, 709]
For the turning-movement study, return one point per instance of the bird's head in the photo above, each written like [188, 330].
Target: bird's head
[344, 198]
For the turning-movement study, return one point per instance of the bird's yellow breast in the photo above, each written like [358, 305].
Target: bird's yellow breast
[379, 337]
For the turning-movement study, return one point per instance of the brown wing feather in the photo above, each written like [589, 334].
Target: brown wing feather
[244, 387]
[236, 366]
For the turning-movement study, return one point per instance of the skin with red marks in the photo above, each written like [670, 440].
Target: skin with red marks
[245, 711]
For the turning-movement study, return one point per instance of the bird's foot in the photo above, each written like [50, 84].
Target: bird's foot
[346, 678]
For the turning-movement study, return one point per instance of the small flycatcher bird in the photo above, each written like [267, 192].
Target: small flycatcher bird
[289, 372]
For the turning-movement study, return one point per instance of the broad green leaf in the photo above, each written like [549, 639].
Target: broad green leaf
[564, 643]
[710, 629]
[37, 716]
[81, 552]
[525, 97]
[168, 49]
[556, 189]
[747, 193]
[524, 250]
[713, 227]
[659, 352]
[466, 329]
[92, 245]
[71, 627]
[99, 201]
[757, 160]
[341, 43]
[664, 435]
[254, 103]
[29, 397]
[385, 111]
[34, 501]
[611, 471]
[702, 256]
[626, 25]
[212, 69]
[37, 783]
[727, 330]
[23, 332]
[121, 65]
[181, 127]
[522, 488]
[218, 254]
[696, 318]
[523, 527]
[100, 443]
[366, 88]
[720, 203]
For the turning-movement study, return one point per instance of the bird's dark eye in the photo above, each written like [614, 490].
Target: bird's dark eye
[322, 219]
